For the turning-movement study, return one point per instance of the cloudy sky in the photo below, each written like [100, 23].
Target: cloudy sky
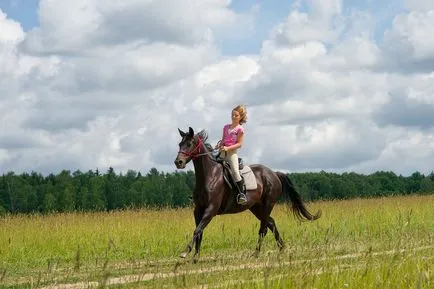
[329, 84]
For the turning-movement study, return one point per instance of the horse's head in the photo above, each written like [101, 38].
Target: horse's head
[189, 148]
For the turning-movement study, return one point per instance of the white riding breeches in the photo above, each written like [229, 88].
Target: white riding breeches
[232, 158]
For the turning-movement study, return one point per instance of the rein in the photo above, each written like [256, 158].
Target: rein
[207, 153]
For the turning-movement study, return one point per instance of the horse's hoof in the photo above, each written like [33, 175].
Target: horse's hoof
[183, 255]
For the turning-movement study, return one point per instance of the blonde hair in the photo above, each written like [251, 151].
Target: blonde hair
[242, 110]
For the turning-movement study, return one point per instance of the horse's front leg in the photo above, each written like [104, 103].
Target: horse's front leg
[198, 213]
[202, 220]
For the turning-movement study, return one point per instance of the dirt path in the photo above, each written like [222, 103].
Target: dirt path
[152, 276]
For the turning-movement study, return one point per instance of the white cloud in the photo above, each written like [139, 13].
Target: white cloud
[325, 10]
[323, 23]
[326, 99]
[407, 151]
[411, 103]
[408, 44]
[330, 143]
[81, 25]
[419, 5]
[102, 84]
[11, 30]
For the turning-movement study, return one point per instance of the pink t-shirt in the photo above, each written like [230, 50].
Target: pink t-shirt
[230, 135]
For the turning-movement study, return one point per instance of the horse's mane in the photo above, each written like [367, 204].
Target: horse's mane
[203, 134]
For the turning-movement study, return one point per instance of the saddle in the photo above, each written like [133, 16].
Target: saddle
[246, 174]
[227, 172]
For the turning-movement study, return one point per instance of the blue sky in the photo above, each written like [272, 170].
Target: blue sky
[272, 12]
[23, 11]
[269, 13]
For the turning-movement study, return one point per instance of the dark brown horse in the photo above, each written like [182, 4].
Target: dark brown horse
[212, 196]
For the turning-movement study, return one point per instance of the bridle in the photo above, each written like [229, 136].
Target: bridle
[193, 154]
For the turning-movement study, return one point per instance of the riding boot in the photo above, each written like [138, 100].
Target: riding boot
[241, 198]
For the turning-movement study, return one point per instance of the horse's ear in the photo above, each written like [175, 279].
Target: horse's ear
[191, 131]
[181, 133]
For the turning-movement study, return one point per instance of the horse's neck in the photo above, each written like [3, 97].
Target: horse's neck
[203, 167]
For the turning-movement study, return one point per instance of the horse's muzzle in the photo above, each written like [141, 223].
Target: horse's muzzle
[179, 163]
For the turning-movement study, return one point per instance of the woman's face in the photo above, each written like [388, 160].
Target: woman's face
[236, 116]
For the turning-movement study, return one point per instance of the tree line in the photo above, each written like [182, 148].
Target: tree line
[96, 191]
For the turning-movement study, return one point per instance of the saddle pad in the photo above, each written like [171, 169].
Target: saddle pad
[249, 178]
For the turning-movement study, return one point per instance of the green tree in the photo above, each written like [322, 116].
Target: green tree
[49, 204]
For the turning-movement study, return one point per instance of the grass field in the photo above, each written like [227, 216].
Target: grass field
[363, 243]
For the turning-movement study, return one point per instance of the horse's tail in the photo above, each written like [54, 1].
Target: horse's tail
[298, 208]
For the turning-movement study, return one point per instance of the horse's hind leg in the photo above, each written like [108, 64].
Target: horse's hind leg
[263, 214]
[272, 226]
[258, 212]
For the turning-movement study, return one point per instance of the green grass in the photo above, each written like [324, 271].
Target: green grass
[362, 243]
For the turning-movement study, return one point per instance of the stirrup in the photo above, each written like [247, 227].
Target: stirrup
[241, 199]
